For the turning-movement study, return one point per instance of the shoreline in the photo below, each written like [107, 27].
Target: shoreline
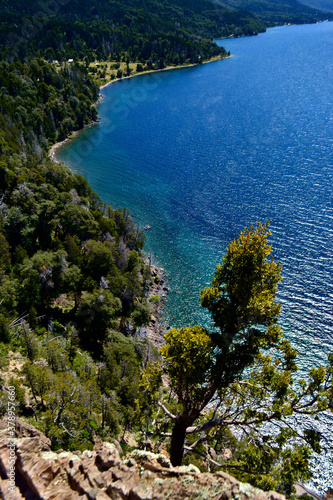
[58, 145]
[168, 68]
[156, 329]
[53, 149]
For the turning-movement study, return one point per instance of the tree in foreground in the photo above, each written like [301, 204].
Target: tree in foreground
[234, 389]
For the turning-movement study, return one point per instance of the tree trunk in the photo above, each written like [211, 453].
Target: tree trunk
[181, 424]
[177, 443]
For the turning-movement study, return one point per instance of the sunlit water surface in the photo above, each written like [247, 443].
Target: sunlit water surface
[198, 153]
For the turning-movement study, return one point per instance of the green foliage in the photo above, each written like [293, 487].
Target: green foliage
[98, 311]
[77, 221]
[156, 34]
[28, 340]
[38, 379]
[4, 254]
[121, 363]
[65, 256]
[4, 329]
[242, 377]
[161, 33]
[119, 382]
[99, 259]
[155, 298]
[241, 300]
[73, 398]
[142, 314]
[72, 275]
[71, 268]
[35, 100]
[19, 392]
[277, 12]
[242, 294]
[67, 411]
[188, 353]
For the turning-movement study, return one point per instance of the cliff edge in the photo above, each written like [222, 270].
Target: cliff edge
[101, 474]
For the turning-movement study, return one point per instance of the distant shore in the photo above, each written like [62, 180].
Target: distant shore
[167, 68]
[60, 144]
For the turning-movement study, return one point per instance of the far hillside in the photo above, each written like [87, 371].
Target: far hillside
[326, 5]
[274, 12]
[172, 31]
[168, 32]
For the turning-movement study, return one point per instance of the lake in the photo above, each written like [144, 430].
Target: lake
[198, 153]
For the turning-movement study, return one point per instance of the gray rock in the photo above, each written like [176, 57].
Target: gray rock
[101, 474]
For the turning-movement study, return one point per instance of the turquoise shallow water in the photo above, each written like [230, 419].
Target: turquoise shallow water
[200, 152]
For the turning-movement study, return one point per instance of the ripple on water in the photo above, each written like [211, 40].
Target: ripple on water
[217, 147]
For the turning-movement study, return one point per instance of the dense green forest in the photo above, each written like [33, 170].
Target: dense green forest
[41, 105]
[173, 31]
[72, 275]
[74, 284]
[141, 30]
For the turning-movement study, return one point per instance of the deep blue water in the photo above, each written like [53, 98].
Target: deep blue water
[199, 153]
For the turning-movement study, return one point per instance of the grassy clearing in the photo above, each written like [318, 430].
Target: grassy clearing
[106, 71]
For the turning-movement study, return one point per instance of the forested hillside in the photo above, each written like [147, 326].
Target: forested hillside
[74, 283]
[320, 4]
[72, 276]
[42, 105]
[277, 12]
[141, 30]
[174, 30]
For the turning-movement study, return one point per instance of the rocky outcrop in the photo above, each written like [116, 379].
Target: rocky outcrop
[101, 474]
[158, 289]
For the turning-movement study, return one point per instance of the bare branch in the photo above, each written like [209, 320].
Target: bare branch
[54, 338]
[194, 445]
[306, 405]
[67, 431]
[166, 411]
[244, 382]
[189, 449]
[223, 422]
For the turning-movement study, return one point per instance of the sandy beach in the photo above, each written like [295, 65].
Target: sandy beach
[58, 145]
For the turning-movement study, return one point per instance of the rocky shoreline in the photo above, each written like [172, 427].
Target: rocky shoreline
[156, 296]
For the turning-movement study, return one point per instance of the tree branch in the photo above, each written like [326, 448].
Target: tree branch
[67, 431]
[194, 445]
[223, 422]
[189, 449]
[166, 411]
